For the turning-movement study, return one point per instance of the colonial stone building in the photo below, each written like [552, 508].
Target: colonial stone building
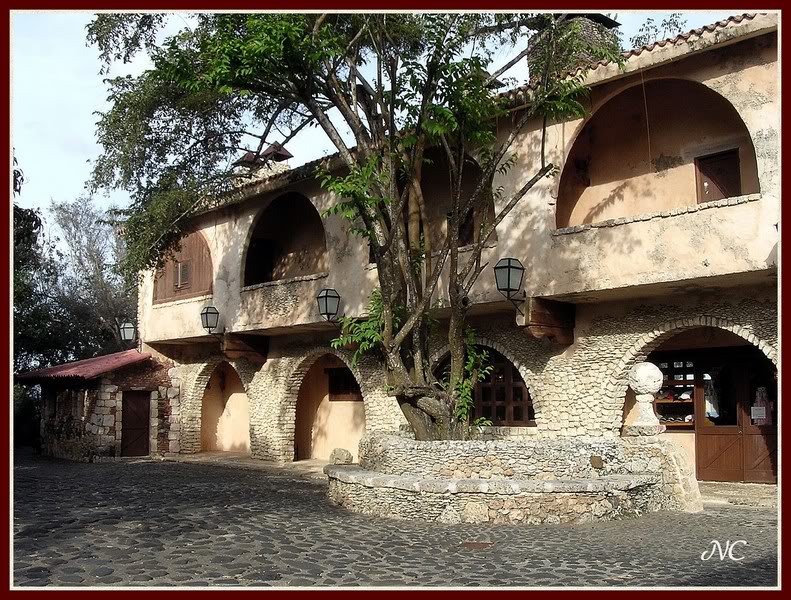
[656, 240]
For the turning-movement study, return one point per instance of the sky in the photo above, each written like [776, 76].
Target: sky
[56, 89]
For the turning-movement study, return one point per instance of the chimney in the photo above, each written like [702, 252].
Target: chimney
[596, 28]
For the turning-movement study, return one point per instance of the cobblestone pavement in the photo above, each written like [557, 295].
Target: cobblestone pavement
[170, 523]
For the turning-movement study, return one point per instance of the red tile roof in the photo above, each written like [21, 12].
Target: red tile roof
[88, 368]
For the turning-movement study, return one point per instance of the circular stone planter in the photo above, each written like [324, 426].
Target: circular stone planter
[569, 480]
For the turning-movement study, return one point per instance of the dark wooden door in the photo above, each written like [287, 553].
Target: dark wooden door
[718, 176]
[135, 421]
[719, 390]
[736, 417]
[759, 415]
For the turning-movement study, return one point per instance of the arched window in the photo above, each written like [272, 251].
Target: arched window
[188, 273]
[502, 397]
[668, 144]
[435, 185]
[287, 241]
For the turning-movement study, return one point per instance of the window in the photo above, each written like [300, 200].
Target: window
[343, 386]
[186, 274]
[181, 278]
[718, 176]
[503, 397]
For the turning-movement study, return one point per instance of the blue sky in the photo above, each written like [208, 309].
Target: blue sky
[56, 89]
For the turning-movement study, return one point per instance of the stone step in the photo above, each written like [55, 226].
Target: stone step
[759, 495]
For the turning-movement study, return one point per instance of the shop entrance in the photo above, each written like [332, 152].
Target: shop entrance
[724, 395]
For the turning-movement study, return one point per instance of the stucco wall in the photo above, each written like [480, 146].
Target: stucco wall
[722, 240]
[321, 425]
[225, 413]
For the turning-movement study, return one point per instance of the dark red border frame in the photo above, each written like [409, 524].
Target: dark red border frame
[328, 5]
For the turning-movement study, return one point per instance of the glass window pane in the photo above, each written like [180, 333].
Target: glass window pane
[500, 413]
[486, 394]
[719, 397]
[486, 411]
[518, 395]
[499, 394]
[663, 365]
[518, 413]
[690, 377]
[678, 365]
[689, 363]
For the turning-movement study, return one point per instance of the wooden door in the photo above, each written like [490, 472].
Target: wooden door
[719, 445]
[718, 176]
[135, 421]
[759, 415]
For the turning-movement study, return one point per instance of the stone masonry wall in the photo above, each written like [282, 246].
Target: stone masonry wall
[580, 390]
[272, 391]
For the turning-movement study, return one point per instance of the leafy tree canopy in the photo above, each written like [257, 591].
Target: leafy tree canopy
[403, 85]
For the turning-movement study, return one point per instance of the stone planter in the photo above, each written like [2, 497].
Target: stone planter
[569, 480]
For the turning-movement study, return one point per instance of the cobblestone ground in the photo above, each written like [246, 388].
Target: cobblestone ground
[168, 523]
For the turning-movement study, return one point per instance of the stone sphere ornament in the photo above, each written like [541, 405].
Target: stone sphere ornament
[645, 378]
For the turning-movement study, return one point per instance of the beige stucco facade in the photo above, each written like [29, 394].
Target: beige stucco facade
[633, 249]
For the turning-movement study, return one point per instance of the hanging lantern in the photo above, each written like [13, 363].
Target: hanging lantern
[508, 273]
[127, 331]
[209, 317]
[329, 302]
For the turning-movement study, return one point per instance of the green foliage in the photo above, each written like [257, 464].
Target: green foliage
[65, 303]
[354, 189]
[476, 368]
[365, 334]
[651, 32]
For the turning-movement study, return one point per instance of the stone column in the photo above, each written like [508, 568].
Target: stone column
[645, 379]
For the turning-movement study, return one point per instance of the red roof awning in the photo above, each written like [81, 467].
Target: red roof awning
[89, 368]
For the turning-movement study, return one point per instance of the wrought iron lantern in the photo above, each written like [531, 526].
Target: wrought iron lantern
[209, 318]
[127, 331]
[329, 302]
[508, 274]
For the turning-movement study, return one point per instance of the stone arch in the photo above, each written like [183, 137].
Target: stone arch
[287, 239]
[293, 383]
[526, 374]
[192, 398]
[616, 387]
[575, 178]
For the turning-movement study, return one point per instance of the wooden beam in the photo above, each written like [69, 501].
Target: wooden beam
[254, 348]
[550, 319]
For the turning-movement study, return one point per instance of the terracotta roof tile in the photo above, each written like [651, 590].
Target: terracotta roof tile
[89, 368]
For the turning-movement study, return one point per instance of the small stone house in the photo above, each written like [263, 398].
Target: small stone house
[103, 407]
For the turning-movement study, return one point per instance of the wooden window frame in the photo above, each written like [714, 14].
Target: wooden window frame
[508, 383]
[177, 280]
[352, 394]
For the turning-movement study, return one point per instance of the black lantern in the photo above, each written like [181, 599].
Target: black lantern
[209, 317]
[508, 274]
[127, 331]
[329, 302]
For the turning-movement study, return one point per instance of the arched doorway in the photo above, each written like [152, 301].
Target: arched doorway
[330, 411]
[719, 402]
[502, 397]
[225, 413]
